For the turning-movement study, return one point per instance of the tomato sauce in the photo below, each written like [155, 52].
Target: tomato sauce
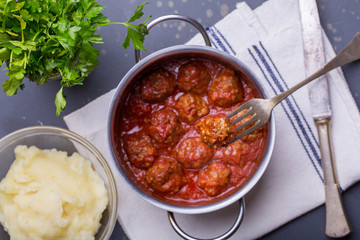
[158, 127]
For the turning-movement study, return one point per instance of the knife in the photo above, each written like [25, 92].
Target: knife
[336, 224]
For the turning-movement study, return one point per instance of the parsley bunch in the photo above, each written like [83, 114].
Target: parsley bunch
[40, 39]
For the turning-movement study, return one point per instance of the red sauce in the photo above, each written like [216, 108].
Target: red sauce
[161, 125]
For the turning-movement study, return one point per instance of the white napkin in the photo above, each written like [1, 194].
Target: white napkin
[269, 40]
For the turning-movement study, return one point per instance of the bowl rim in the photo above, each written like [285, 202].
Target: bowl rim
[151, 60]
[13, 136]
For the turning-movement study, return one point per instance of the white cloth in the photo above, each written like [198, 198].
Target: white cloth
[269, 40]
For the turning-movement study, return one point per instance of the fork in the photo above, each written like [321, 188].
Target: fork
[257, 111]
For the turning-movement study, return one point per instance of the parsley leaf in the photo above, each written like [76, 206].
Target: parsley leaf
[135, 33]
[60, 102]
[40, 39]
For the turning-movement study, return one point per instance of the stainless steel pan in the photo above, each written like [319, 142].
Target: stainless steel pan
[156, 59]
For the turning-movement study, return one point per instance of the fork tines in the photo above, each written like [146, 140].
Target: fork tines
[249, 111]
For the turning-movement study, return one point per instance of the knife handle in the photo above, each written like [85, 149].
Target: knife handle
[337, 224]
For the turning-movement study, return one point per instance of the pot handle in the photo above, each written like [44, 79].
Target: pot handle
[193, 22]
[226, 235]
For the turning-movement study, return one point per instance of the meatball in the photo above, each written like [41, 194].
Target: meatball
[215, 130]
[235, 154]
[165, 127]
[157, 85]
[166, 175]
[140, 150]
[213, 178]
[225, 90]
[191, 107]
[193, 76]
[192, 153]
[136, 106]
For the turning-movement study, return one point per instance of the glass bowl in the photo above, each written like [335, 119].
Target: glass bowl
[47, 137]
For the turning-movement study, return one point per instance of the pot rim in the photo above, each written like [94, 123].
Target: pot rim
[151, 60]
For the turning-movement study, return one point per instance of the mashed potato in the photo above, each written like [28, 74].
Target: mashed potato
[49, 195]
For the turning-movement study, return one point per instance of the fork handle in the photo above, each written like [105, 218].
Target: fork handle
[336, 225]
[350, 53]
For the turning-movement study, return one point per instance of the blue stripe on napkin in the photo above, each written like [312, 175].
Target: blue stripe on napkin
[216, 30]
[290, 106]
[219, 41]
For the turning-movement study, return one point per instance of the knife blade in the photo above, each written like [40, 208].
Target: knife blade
[336, 224]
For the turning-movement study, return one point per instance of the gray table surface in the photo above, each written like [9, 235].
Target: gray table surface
[34, 105]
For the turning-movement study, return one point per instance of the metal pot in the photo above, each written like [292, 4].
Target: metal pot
[148, 63]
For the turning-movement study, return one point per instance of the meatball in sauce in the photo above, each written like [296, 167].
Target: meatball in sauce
[166, 175]
[194, 76]
[157, 85]
[140, 150]
[165, 127]
[191, 107]
[137, 106]
[225, 90]
[193, 153]
[214, 177]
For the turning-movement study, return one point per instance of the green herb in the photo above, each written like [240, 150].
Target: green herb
[40, 39]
